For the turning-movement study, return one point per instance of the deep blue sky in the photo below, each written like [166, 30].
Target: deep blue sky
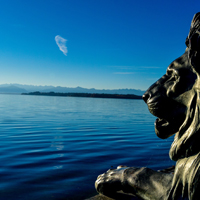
[111, 44]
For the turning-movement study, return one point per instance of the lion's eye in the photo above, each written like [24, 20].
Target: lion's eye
[172, 74]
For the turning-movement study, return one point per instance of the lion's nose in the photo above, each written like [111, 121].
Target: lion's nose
[146, 96]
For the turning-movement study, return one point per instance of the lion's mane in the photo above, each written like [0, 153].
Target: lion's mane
[185, 148]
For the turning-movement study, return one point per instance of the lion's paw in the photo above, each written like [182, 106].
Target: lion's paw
[111, 181]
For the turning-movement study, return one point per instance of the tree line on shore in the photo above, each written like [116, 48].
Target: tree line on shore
[91, 95]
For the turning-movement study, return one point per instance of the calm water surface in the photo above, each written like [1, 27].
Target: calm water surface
[55, 147]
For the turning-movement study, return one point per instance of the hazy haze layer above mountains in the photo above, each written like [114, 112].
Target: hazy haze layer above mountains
[18, 89]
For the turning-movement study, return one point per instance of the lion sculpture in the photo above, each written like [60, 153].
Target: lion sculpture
[175, 100]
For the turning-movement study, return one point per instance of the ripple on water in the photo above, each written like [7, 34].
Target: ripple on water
[54, 148]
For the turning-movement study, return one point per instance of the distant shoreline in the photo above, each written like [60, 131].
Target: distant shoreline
[89, 95]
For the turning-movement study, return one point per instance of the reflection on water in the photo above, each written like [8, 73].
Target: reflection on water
[54, 147]
[58, 145]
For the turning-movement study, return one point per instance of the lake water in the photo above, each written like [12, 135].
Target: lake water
[55, 147]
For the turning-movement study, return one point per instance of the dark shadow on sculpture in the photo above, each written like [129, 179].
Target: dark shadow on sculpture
[175, 100]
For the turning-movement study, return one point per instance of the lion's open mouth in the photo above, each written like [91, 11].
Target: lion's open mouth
[171, 115]
[161, 122]
[165, 129]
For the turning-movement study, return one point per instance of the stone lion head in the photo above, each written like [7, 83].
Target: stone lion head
[175, 100]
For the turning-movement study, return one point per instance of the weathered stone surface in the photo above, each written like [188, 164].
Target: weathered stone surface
[175, 100]
[118, 196]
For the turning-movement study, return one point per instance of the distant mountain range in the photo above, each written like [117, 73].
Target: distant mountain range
[19, 88]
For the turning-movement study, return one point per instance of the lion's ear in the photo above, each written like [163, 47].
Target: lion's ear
[194, 41]
[194, 51]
